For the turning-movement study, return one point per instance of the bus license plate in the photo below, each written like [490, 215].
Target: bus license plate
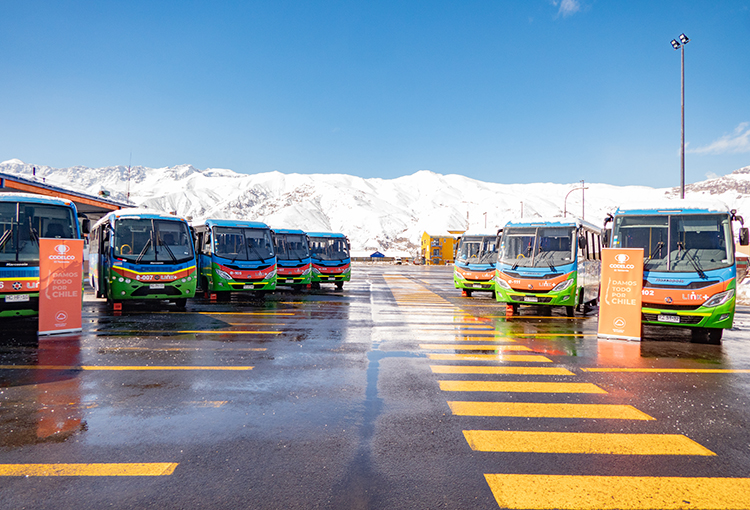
[16, 298]
[531, 299]
[156, 286]
[245, 287]
[668, 318]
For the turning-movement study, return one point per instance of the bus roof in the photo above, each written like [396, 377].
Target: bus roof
[32, 198]
[138, 213]
[231, 223]
[326, 234]
[681, 206]
[288, 231]
[552, 222]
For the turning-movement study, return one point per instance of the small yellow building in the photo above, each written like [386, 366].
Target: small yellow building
[437, 249]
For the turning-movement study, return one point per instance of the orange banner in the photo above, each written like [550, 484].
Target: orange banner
[60, 285]
[620, 298]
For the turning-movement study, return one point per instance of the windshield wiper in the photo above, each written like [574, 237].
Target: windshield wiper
[143, 251]
[692, 260]
[658, 247]
[169, 250]
[6, 236]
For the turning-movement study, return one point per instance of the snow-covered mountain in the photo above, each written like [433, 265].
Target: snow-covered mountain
[388, 215]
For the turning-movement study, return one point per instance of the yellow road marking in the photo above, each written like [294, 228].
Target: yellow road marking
[491, 357]
[475, 347]
[481, 369]
[237, 313]
[521, 386]
[121, 367]
[583, 442]
[671, 370]
[485, 339]
[570, 492]
[536, 410]
[108, 469]
[533, 335]
[459, 329]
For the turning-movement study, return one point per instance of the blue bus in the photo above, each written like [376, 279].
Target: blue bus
[331, 262]
[689, 268]
[24, 218]
[235, 256]
[140, 254]
[549, 263]
[474, 266]
[293, 258]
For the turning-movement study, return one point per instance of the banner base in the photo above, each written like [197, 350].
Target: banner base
[59, 332]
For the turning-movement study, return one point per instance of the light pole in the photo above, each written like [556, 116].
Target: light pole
[583, 201]
[681, 46]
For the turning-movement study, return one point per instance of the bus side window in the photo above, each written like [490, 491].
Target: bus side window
[207, 242]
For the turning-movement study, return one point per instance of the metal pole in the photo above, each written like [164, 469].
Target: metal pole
[682, 107]
[583, 201]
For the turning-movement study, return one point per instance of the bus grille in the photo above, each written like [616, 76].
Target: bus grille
[169, 290]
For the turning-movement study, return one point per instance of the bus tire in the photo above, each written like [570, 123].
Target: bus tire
[339, 285]
[711, 336]
[181, 303]
[570, 311]
[494, 296]
[467, 293]
[315, 285]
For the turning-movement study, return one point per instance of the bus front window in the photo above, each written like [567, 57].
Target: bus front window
[246, 244]
[700, 242]
[647, 232]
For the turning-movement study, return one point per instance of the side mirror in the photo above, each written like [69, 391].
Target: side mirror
[85, 226]
[744, 237]
[605, 238]
[582, 243]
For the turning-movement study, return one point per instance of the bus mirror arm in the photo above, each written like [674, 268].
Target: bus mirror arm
[605, 238]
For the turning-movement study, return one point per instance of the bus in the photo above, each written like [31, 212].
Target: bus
[140, 254]
[331, 262]
[24, 218]
[235, 256]
[549, 263]
[474, 268]
[689, 268]
[293, 258]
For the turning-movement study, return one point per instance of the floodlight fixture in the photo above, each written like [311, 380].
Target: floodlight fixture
[684, 39]
[675, 44]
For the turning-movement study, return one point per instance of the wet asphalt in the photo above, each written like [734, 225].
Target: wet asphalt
[333, 399]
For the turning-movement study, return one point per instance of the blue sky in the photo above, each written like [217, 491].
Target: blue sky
[502, 91]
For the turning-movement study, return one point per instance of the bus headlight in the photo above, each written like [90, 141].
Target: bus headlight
[719, 299]
[316, 270]
[270, 275]
[459, 275]
[223, 274]
[563, 285]
[306, 271]
[502, 283]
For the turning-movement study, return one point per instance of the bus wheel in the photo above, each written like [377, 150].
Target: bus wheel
[710, 336]
[181, 303]
[296, 289]
[570, 311]
[546, 311]
[339, 285]
[315, 285]
[466, 293]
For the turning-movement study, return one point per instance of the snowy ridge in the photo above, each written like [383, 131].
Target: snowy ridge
[388, 215]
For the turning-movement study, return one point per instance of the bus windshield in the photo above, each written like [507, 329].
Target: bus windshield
[678, 243]
[537, 246]
[291, 246]
[477, 250]
[329, 248]
[22, 224]
[145, 240]
[246, 244]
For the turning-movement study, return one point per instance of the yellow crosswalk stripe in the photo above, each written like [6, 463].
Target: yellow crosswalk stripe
[583, 442]
[484, 369]
[521, 386]
[571, 492]
[539, 410]
[474, 347]
[532, 358]
[108, 469]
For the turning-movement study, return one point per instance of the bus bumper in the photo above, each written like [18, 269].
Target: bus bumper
[720, 316]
